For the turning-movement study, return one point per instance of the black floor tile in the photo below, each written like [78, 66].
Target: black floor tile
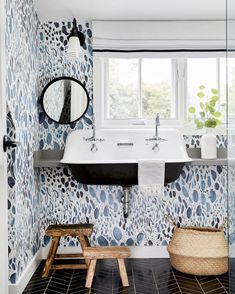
[146, 276]
[175, 290]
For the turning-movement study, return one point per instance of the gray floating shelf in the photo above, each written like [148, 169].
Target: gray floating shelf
[51, 158]
[195, 154]
[48, 158]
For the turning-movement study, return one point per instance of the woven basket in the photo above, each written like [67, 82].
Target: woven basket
[199, 251]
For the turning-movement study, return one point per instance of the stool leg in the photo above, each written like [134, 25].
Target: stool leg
[51, 256]
[123, 273]
[85, 243]
[90, 273]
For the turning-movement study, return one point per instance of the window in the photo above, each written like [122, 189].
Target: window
[210, 72]
[134, 90]
[139, 88]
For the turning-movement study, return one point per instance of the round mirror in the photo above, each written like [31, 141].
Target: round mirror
[65, 100]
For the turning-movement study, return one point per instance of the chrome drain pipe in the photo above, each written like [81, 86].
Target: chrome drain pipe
[126, 200]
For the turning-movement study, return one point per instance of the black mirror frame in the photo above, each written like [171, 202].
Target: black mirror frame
[58, 79]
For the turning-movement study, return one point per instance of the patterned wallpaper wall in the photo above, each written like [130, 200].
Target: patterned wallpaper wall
[54, 63]
[197, 197]
[22, 125]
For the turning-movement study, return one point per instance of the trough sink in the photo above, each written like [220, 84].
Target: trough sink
[116, 160]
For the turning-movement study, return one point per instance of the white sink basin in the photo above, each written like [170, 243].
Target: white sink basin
[77, 150]
[116, 161]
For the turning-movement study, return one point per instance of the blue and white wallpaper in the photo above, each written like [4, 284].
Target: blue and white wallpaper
[22, 124]
[39, 197]
[54, 63]
[198, 197]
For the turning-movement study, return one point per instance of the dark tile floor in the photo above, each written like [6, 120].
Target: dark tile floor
[146, 276]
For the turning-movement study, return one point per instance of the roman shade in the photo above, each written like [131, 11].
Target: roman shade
[134, 36]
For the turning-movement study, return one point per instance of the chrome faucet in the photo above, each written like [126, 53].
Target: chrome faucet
[157, 124]
[93, 138]
[156, 139]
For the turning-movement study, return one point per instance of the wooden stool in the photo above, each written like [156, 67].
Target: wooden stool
[81, 231]
[117, 252]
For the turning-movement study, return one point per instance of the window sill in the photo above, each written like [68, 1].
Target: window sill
[186, 129]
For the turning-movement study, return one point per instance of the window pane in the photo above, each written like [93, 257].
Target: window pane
[231, 88]
[201, 71]
[157, 88]
[123, 89]
[223, 86]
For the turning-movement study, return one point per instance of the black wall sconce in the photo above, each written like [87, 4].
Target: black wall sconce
[76, 40]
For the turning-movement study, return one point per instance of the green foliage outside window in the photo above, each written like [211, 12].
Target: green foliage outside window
[208, 115]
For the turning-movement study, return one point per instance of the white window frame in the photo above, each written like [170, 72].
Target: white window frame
[179, 75]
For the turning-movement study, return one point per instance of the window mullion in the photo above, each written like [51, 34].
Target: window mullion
[218, 80]
[174, 87]
[184, 91]
[181, 81]
[140, 89]
[106, 88]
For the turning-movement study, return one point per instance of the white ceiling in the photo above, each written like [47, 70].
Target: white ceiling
[58, 10]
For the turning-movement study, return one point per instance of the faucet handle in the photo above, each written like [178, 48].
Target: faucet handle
[90, 139]
[162, 139]
[99, 140]
[93, 139]
[151, 139]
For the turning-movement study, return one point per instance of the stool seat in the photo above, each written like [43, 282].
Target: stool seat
[116, 252]
[69, 230]
[80, 231]
[107, 252]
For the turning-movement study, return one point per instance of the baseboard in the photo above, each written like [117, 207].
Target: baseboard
[149, 252]
[22, 282]
[136, 251]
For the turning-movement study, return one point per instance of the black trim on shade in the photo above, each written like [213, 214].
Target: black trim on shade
[170, 50]
[58, 79]
[75, 33]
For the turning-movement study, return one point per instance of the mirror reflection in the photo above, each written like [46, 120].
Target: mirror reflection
[65, 100]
